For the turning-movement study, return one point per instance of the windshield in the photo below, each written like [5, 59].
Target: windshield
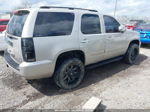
[17, 22]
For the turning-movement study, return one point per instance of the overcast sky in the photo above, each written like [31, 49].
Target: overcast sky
[124, 7]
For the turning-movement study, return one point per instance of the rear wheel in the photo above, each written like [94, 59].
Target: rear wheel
[132, 54]
[69, 74]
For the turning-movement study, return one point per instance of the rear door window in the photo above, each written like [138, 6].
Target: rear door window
[53, 24]
[17, 22]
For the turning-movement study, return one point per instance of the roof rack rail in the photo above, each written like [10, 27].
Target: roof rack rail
[71, 8]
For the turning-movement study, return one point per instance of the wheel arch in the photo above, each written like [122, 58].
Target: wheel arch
[135, 42]
[70, 54]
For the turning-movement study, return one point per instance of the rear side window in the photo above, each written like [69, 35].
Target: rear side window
[17, 22]
[90, 24]
[111, 25]
[3, 22]
[53, 24]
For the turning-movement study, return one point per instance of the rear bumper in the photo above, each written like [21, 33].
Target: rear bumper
[33, 70]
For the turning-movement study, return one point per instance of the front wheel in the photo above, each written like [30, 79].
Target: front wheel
[69, 74]
[132, 54]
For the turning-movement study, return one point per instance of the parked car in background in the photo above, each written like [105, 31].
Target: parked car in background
[134, 23]
[144, 30]
[3, 44]
[60, 42]
[131, 27]
[3, 24]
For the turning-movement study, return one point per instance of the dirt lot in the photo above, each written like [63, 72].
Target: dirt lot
[119, 85]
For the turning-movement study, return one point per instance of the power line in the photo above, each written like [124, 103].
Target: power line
[115, 8]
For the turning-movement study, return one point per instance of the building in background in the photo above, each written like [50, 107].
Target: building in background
[5, 16]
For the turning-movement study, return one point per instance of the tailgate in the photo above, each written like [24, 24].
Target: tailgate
[14, 34]
[14, 48]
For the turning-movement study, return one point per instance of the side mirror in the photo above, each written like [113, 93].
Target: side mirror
[122, 28]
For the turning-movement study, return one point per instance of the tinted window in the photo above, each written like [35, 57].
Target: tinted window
[53, 24]
[3, 22]
[17, 22]
[90, 24]
[111, 25]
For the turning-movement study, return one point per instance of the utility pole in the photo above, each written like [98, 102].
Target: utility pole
[28, 4]
[115, 8]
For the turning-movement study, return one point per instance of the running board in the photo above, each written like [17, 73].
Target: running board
[104, 62]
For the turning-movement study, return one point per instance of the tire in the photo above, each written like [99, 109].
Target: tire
[69, 74]
[131, 54]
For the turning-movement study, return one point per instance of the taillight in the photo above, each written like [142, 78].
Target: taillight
[28, 51]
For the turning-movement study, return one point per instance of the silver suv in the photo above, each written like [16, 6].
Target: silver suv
[60, 41]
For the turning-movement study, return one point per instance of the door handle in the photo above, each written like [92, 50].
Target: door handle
[85, 41]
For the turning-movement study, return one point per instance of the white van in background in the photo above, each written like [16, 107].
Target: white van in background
[3, 44]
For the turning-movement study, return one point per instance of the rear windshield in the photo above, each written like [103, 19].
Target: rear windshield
[17, 22]
[53, 24]
[3, 22]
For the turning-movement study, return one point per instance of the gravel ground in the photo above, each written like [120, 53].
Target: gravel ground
[120, 86]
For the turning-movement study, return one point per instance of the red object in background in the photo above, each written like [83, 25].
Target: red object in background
[134, 23]
[3, 24]
[130, 27]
